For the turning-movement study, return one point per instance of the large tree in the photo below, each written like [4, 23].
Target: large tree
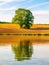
[23, 17]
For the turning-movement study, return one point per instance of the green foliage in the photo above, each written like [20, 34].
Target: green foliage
[23, 17]
[23, 51]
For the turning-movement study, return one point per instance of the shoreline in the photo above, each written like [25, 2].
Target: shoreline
[17, 39]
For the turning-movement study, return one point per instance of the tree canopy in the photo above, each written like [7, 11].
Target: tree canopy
[23, 17]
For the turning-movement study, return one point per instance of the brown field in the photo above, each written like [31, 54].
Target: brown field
[40, 26]
[15, 29]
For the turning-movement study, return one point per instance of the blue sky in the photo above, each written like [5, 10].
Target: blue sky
[39, 8]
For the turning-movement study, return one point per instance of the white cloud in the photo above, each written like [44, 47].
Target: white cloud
[40, 12]
[12, 0]
[37, 5]
[4, 2]
[41, 17]
[7, 1]
[10, 8]
[7, 17]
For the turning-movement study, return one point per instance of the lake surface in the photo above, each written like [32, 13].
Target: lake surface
[24, 52]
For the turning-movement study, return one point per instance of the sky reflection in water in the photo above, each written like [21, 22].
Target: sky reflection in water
[24, 53]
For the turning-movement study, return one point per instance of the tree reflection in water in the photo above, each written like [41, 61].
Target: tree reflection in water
[23, 51]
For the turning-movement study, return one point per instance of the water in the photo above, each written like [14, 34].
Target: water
[24, 52]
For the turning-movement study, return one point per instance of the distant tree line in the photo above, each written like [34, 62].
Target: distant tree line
[4, 22]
